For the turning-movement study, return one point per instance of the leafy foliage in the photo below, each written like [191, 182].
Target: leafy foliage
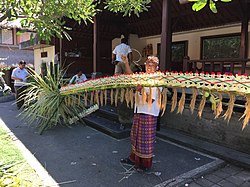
[200, 4]
[46, 17]
[127, 7]
[45, 105]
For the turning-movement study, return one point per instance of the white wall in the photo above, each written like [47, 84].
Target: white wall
[194, 38]
[38, 60]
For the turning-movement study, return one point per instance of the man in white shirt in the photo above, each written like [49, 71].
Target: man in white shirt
[79, 77]
[20, 75]
[121, 49]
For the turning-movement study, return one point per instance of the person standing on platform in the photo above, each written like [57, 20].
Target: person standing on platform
[121, 49]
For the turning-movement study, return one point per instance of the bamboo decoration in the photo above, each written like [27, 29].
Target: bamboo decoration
[193, 100]
[85, 99]
[181, 103]
[101, 97]
[131, 97]
[96, 97]
[202, 105]
[149, 99]
[137, 97]
[213, 84]
[92, 98]
[228, 113]
[159, 97]
[111, 96]
[116, 97]
[122, 95]
[144, 96]
[164, 101]
[218, 110]
[127, 97]
[174, 100]
[246, 113]
[106, 96]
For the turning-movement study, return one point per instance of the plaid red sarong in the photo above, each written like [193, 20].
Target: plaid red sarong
[143, 134]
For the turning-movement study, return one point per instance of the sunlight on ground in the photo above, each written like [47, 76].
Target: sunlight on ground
[33, 162]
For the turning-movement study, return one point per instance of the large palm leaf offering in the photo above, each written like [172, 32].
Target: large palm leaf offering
[46, 106]
[212, 86]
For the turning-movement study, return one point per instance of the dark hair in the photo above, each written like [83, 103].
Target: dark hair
[22, 62]
[124, 40]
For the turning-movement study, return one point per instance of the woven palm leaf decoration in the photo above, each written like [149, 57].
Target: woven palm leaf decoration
[211, 85]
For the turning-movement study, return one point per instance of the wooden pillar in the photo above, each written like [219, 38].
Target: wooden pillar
[166, 36]
[95, 44]
[14, 36]
[244, 30]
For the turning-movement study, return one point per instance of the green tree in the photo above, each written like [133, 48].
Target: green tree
[45, 17]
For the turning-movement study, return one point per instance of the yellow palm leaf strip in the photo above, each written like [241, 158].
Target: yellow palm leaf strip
[246, 113]
[149, 97]
[116, 96]
[92, 98]
[219, 108]
[193, 100]
[164, 101]
[85, 99]
[144, 96]
[137, 98]
[174, 100]
[101, 97]
[105, 96]
[74, 100]
[97, 97]
[181, 103]
[131, 96]
[79, 99]
[228, 113]
[202, 105]
[127, 97]
[111, 96]
[159, 97]
[122, 95]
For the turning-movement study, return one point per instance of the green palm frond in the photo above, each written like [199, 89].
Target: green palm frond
[44, 105]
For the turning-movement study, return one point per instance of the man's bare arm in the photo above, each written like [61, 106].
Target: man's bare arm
[126, 63]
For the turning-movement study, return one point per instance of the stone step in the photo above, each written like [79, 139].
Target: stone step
[225, 153]
[107, 126]
[108, 112]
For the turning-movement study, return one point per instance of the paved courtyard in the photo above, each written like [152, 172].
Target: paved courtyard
[81, 156]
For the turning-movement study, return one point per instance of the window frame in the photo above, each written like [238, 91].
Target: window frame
[215, 37]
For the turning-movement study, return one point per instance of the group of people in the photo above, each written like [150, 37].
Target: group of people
[143, 131]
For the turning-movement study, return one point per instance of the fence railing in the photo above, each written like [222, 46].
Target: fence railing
[216, 65]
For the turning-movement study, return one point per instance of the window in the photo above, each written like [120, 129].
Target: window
[178, 50]
[221, 47]
[44, 54]
[6, 36]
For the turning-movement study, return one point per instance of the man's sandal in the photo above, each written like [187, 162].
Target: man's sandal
[127, 161]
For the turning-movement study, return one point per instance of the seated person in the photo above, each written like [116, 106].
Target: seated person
[79, 77]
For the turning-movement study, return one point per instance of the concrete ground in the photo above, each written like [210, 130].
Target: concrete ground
[81, 156]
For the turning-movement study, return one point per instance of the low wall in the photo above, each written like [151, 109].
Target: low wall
[213, 130]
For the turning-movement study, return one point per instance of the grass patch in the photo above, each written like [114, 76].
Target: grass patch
[14, 169]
